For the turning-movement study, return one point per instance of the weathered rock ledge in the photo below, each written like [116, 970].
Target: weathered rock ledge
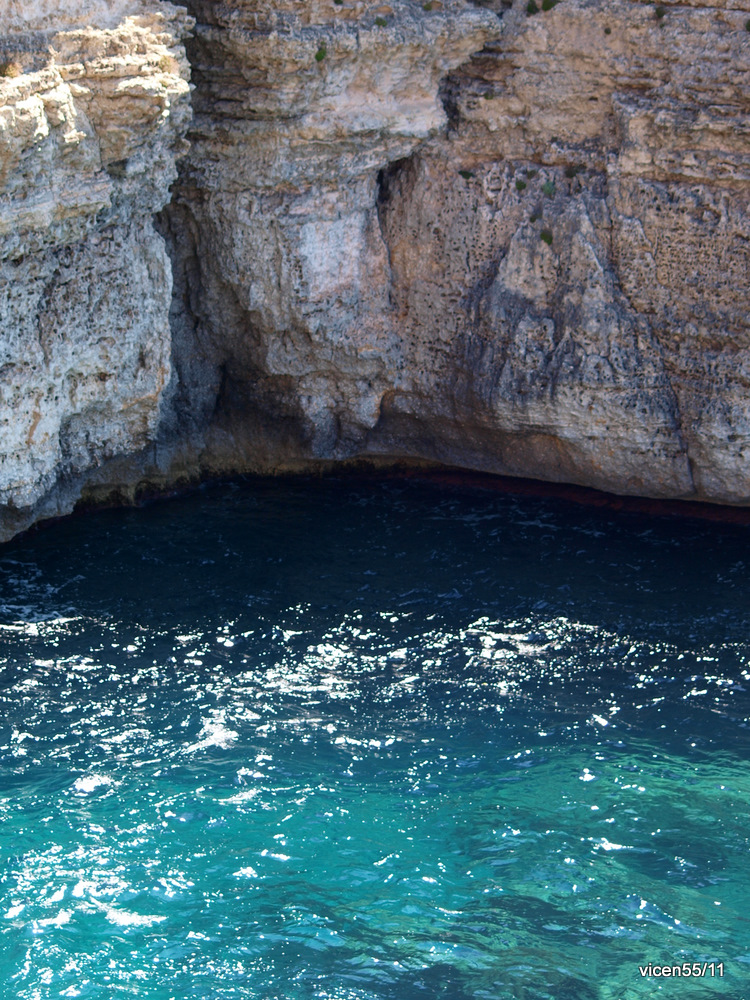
[432, 232]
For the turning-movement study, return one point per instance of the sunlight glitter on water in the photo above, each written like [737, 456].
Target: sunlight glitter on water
[325, 740]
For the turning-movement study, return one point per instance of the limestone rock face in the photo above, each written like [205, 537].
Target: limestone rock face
[94, 104]
[281, 259]
[413, 231]
[506, 242]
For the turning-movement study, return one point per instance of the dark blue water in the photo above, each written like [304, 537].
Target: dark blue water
[338, 740]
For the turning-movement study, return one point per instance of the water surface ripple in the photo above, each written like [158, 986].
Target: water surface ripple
[345, 740]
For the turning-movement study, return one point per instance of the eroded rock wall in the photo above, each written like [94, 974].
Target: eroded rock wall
[507, 242]
[404, 231]
[593, 306]
[94, 105]
[298, 108]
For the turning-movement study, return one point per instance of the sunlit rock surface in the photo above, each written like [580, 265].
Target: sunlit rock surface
[506, 242]
[93, 108]
[291, 344]
[405, 231]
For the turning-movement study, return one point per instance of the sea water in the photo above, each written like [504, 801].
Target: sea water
[361, 740]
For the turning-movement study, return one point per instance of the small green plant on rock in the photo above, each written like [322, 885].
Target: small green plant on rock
[339, 3]
[10, 70]
[549, 189]
[549, 4]
[531, 8]
[607, 31]
[659, 12]
[321, 53]
[747, 25]
[546, 235]
[466, 174]
[520, 185]
[381, 22]
[427, 6]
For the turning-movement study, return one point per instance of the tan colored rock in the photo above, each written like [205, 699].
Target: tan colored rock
[551, 283]
[90, 129]
[458, 234]
[294, 318]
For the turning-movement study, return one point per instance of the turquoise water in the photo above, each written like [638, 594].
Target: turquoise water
[373, 741]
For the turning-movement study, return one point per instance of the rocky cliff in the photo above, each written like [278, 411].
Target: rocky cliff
[94, 107]
[501, 237]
